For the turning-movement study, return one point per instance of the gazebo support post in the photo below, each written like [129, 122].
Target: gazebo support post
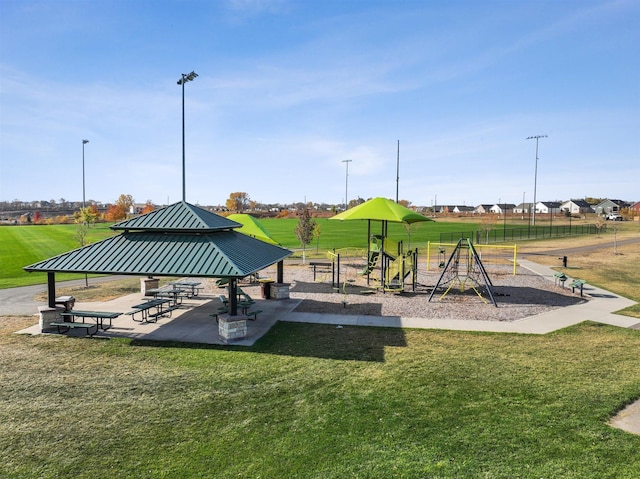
[51, 288]
[233, 297]
[280, 272]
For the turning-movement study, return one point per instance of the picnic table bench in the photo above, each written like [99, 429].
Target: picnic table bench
[145, 308]
[578, 283]
[560, 278]
[64, 327]
[99, 316]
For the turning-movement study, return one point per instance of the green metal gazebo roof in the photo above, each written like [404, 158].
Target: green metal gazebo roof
[180, 216]
[179, 240]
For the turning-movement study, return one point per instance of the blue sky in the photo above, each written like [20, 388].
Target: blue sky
[288, 90]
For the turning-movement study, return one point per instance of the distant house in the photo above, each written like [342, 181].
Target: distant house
[606, 207]
[523, 208]
[635, 208]
[461, 209]
[482, 209]
[548, 207]
[576, 207]
[500, 208]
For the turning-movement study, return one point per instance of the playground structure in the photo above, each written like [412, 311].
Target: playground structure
[398, 269]
[499, 255]
[396, 265]
[464, 268]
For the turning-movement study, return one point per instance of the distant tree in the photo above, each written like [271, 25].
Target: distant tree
[115, 213]
[238, 202]
[37, 217]
[304, 230]
[125, 202]
[148, 207]
[486, 225]
[81, 237]
[120, 209]
[316, 235]
[405, 203]
[87, 215]
[600, 224]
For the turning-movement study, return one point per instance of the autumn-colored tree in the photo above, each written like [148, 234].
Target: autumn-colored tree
[87, 215]
[115, 213]
[37, 217]
[238, 202]
[120, 209]
[148, 207]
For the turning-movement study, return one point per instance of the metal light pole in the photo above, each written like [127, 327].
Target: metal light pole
[535, 178]
[84, 142]
[84, 212]
[184, 79]
[346, 184]
[398, 171]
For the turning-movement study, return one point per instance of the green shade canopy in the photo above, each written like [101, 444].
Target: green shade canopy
[381, 209]
[252, 227]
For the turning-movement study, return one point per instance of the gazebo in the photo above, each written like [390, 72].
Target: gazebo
[180, 240]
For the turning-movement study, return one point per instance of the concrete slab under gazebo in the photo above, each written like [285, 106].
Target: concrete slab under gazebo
[180, 240]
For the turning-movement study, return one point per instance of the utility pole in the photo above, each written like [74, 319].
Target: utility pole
[346, 184]
[398, 171]
[535, 177]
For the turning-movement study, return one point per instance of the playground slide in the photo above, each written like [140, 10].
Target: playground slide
[371, 264]
[395, 269]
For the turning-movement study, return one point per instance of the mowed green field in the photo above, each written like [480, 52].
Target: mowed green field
[21, 246]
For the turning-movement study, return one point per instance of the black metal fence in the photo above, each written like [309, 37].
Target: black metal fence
[511, 234]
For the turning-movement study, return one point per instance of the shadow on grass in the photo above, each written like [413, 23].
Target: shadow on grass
[346, 343]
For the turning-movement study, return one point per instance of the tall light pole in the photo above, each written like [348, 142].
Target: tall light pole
[84, 142]
[535, 177]
[398, 171]
[346, 184]
[186, 77]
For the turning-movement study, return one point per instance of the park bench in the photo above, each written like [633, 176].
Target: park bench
[319, 266]
[578, 283]
[64, 327]
[560, 278]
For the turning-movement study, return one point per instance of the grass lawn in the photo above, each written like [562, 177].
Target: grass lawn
[314, 401]
[25, 245]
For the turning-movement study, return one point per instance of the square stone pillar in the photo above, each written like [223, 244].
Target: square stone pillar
[279, 290]
[147, 284]
[232, 327]
[49, 315]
